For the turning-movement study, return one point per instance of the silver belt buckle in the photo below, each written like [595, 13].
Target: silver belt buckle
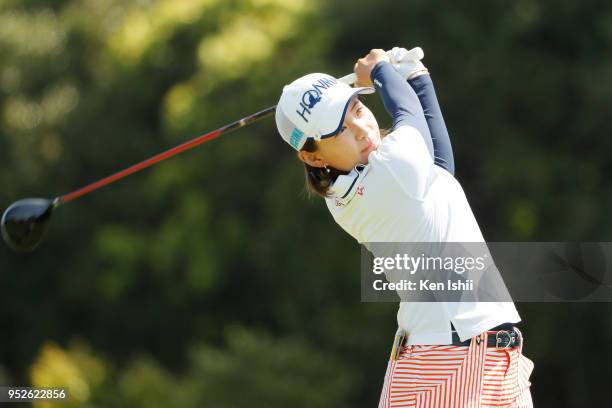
[504, 339]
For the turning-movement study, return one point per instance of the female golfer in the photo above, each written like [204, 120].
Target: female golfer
[400, 187]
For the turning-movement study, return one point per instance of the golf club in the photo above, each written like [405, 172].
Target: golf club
[25, 221]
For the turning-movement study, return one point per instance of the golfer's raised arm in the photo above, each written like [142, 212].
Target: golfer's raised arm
[400, 100]
[443, 150]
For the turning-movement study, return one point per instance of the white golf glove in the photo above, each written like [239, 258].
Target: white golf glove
[407, 63]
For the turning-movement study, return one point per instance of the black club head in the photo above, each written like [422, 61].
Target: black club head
[24, 223]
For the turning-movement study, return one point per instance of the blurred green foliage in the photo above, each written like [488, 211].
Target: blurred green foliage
[252, 369]
[212, 280]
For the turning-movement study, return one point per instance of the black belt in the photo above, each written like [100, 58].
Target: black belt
[501, 337]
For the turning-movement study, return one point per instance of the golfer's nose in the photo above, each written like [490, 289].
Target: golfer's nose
[359, 129]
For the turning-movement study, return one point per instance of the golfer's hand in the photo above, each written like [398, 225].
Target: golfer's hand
[365, 65]
[407, 63]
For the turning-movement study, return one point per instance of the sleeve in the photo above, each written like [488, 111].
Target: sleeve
[442, 148]
[403, 157]
[401, 101]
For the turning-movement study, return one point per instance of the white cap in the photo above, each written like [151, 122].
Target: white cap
[313, 106]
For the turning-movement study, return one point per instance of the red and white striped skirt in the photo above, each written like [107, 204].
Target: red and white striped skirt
[458, 377]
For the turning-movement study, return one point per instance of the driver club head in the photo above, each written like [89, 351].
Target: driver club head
[24, 223]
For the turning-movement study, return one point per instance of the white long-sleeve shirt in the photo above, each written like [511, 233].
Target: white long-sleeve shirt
[402, 196]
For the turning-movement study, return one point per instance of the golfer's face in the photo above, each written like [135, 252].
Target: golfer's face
[359, 135]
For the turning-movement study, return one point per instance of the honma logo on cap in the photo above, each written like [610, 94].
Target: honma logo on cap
[313, 96]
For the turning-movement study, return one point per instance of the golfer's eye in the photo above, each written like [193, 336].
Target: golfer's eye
[359, 110]
[341, 130]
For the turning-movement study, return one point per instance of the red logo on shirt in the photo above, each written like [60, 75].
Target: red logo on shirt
[360, 190]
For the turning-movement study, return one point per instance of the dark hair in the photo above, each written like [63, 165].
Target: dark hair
[319, 179]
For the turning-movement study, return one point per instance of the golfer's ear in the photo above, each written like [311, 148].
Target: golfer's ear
[311, 158]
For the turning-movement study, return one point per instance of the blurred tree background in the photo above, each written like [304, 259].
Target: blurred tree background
[212, 280]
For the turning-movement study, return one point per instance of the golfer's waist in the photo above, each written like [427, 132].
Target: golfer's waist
[503, 336]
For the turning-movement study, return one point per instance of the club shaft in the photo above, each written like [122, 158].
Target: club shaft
[348, 79]
[163, 156]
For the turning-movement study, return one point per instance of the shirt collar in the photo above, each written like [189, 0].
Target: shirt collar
[343, 190]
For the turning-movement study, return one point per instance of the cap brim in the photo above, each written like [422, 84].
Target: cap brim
[339, 110]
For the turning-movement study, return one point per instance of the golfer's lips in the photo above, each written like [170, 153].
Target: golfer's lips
[369, 147]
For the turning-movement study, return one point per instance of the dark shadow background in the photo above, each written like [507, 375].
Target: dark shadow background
[212, 280]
